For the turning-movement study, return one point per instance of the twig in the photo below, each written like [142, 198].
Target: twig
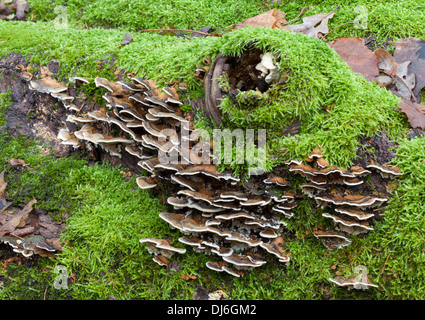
[45, 293]
[301, 13]
[324, 36]
[183, 30]
[231, 26]
[382, 270]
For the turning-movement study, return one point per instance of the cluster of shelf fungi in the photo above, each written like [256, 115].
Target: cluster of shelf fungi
[240, 226]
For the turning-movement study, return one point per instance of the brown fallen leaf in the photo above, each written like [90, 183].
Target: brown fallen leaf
[17, 163]
[18, 219]
[357, 55]
[185, 277]
[22, 232]
[415, 113]
[405, 81]
[384, 81]
[412, 49]
[314, 26]
[3, 203]
[386, 62]
[271, 19]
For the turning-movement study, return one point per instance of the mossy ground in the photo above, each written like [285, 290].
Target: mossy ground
[107, 215]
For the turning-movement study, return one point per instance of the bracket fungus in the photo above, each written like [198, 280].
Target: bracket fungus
[343, 191]
[241, 223]
[353, 282]
[162, 249]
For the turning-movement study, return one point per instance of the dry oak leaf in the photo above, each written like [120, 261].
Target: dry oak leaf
[271, 19]
[415, 113]
[386, 62]
[309, 24]
[405, 81]
[18, 220]
[357, 55]
[412, 49]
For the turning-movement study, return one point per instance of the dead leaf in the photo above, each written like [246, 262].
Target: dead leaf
[18, 163]
[18, 220]
[185, 277]
[357, 55]
[405, 81]
[386, 62]
[22, 232]
[309, 24]
[271, 19]
[415, 113]
[384, 81]
[412, 49]
[21, 7]
[3, 203]
[127, 39]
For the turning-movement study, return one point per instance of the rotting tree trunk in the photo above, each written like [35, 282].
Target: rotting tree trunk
[40, 116]
[248, 215]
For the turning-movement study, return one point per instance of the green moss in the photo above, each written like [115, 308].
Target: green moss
[136, 15]
[395, 19]
[336, 107]
[5, 101]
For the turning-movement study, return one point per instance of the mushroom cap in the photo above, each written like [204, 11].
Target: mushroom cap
[359, 171]
[277, 180]
[68, 138]
[236, 195]
[243, 261]
[131, 86]
[162, 244]
[47, 85]
[217, 265]
[353, 212]
[348, 225]
[256, 201]
[384, 170]
[276, 247]
[187, 183]
[146, 182]
[353, 283]
[353, 200]
[137, 151]
[174, 219]
[77, 80]
[80, 119]
[162, 114]
[332, 239]
[192, 241]
[161, 260]
[89, 133]
[267, 61]
[269, 233]
[63, 96]
[250, 241]
[208, 170]
[315, 154]
[235, 215]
